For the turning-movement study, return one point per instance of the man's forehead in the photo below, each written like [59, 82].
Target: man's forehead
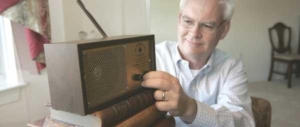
[202, 9]
[204, 3]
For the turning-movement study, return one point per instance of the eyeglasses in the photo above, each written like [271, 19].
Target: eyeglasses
[204, 27]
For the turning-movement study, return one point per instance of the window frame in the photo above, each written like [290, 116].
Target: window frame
[11, 76]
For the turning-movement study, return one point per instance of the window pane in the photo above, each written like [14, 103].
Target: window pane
[1, 47]
[2, 74]
[8, 68]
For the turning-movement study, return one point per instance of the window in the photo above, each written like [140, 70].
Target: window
[8, 64]
[1, 54]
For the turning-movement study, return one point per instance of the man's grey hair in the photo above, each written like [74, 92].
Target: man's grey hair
[227, 6]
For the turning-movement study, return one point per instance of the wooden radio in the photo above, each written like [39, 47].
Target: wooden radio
[85, 76]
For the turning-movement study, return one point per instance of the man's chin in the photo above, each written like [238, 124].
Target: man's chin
[196, 48]
[195, 51]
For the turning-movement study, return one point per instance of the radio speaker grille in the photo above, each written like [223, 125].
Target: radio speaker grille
[104, 73]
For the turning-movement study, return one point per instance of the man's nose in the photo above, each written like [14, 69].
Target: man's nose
[195, 31]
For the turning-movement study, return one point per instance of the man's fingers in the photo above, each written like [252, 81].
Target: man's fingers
[158, 74]
[174, 113]
[163, 105]
[160, 84]
[166, 106]
[162, 95]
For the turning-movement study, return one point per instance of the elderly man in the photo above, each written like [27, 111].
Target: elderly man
[198, 84]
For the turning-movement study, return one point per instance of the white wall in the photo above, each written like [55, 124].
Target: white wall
[57, 20]
[13, 114]
[116, 17]
[248, 36]
[163, 19]
[108, 14]
[249, 32]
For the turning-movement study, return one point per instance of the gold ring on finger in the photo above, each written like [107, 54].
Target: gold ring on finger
[163, 95]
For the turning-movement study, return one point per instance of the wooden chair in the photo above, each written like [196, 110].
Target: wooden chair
[298, 66]
[262, 112]
[281, 51]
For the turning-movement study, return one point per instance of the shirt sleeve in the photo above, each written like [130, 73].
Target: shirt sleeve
[233, 106]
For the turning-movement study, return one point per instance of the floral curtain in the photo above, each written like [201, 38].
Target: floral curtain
[34, 15]
[6, 4]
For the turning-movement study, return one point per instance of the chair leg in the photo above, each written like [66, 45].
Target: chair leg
[286, 76]
[271, 70]
[290, 71]
[298, 70]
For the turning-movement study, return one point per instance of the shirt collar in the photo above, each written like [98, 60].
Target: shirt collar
[177, 56]
[209, 64]
[206, 68]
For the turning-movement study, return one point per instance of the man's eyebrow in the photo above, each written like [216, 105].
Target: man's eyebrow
[210, 22]
[205, 22]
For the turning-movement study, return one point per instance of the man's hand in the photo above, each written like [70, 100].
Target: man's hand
[170, 96]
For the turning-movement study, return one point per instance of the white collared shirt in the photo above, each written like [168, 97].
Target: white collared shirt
[220, 87]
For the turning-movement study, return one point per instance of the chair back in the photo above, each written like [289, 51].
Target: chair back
[281, 32]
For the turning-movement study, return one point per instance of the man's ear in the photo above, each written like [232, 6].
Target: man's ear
[225, 30]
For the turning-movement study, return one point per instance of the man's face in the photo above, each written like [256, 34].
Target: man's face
[209, 27]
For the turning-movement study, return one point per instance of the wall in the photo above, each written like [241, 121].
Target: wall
[163, 19]
[116, 17]
[57, 20]
[249, 33]
[13, 114]
[248, 37]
